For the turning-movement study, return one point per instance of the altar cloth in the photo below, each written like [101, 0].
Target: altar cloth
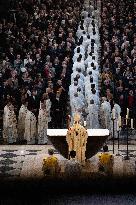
[91, 132]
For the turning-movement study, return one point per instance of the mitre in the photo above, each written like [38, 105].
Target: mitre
[76, 117]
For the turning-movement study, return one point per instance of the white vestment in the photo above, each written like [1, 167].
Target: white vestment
[92, 118]
[42, 126]
[30, 128]
[48, 109]
[21, 122]
[106, 114]
[9, 125]
[79, 65]
[117, 114]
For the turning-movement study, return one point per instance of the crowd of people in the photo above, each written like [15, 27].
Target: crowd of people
[36, 65]
[118, 55]
[50, 52]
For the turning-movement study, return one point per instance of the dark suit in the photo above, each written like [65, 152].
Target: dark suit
[57, 113]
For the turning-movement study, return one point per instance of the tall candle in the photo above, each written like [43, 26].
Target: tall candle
[132, 124]
[113, 113]
[84, 123]
[127, 113]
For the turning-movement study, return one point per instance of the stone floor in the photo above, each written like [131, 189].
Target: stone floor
[26, 161]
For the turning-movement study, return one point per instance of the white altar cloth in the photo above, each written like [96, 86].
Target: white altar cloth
[91, 132]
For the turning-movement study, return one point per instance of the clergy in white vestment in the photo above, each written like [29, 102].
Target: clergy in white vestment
[94, 45]
[80, 82]
[84, 13]
[88, 93]
[84, 36]
[88, 59]
[42, 124]
[82, 49]
[94, 96]
[77, 55]
[88, 20]
[79, 64]
[90, 8]
[93, 51]
[105, 113]
[30, 127]
[79, 50]
[91, 27]
[9, 124]
[80, 31]
[77, 104]
[81, 95]
[73, 88]
[87, 90]
[95, 73]
[6, 121]
[94, 62]
[48, 109]
[87, 42]
[21, 120]
[92, 118]
[117, 109]
[73, 75]
[95, 36]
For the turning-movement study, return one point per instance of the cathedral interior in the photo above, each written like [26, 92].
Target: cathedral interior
[67, 102]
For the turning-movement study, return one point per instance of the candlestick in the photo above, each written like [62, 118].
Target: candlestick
[132, 124]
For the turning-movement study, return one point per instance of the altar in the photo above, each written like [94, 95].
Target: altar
[95, 141]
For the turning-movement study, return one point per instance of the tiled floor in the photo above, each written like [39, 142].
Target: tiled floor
[26, 161]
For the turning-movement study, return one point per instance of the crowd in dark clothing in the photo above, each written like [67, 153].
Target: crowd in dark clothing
[118, 56]
[37, 45]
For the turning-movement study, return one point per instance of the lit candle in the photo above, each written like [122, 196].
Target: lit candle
[117, 125]
[113, 113]
[120, 121]
[132, 125]
[84, 123]
[127, 113]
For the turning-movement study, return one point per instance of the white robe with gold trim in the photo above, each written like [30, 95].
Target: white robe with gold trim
[30, 128]
[42, 126]
[21, 122]
[9, 125]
